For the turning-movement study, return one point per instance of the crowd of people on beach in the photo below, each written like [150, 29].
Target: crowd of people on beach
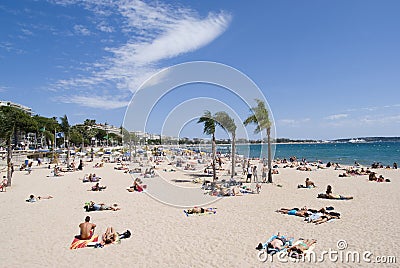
[251, 169]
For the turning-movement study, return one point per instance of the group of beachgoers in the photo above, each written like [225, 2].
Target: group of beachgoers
[110, 236]
[278, 243]
[312, 215]
[91, 178]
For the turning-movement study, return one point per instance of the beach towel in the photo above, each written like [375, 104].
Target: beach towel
[77, 243]
[212, 212]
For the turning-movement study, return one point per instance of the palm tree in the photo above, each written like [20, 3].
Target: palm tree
[65, 127]
[260, 117]
[209, 129]
[227, 123]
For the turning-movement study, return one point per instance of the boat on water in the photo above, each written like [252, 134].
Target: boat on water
[357, 141]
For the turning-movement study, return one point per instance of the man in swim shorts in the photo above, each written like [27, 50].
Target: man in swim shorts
[86, 229]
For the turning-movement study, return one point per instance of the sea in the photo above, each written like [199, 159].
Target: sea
[347, 153]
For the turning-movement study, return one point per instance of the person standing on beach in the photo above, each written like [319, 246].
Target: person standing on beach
[249, 173]
[80, 167]
[264, 173]
[87, 229]
[255, 177]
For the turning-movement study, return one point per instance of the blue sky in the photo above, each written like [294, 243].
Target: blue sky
[329, 69]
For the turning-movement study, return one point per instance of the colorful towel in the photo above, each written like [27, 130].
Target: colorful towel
[77, 243]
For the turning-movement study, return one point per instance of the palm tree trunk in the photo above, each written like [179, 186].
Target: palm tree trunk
[269, 155]
[233, 154]
[67, 153]
[9, 157]
[213, 157]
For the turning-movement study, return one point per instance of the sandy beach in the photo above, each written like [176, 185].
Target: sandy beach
[39, 234]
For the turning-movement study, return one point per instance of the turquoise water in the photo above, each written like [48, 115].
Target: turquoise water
[344, 153]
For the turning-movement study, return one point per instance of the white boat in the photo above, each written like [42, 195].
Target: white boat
[357, 141]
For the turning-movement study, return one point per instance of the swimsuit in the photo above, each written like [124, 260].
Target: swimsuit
[292, 212]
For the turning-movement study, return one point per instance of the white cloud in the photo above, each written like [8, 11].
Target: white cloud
[3, 88]
[293, 122]
[381, 119]
[336, 116]
[102, 102]
[155, 32]
[105, 28]
[81, 30]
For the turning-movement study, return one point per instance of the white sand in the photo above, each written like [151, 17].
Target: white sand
[39, 234]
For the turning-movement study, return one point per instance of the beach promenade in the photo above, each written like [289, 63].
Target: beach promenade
[39, 234]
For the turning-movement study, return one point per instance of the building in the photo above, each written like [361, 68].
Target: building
[18, 106]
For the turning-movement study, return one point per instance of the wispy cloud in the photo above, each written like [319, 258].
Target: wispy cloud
[373, 108]
[336, 116]
[3, 88]
[293, 122]
[81, 30]
[102, 102]
[381, 119]
[155, 32]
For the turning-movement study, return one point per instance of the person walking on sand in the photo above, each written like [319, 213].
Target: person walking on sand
[87, 229]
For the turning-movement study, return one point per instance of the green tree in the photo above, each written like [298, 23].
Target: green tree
[47, 127]
[209, 128]
[12, 122]
[227, 123]
[260, 117]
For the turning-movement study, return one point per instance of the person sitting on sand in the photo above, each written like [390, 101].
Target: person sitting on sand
[372, 176]
[32, 198]
[137, 186]
[335, 196]
[308, 184]
[97, 187]
[86, 229]
[198, 210]
[299, 249]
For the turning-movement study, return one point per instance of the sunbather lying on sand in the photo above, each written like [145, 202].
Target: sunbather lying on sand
[329, 195]
[110, 236]
[197, 210]
[276, 243]
[303, 212]
[322, 216]
[97, 187]
[32, 198]
[297, 251]
[92, 206]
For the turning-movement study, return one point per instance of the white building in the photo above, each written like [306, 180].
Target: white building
[16, 105]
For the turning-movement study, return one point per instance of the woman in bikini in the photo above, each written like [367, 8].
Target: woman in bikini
[297, 251]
